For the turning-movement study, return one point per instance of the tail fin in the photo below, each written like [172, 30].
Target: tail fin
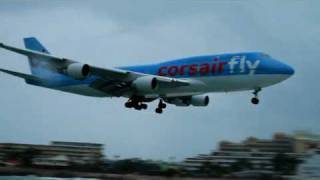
[36, 65]
[33, 44]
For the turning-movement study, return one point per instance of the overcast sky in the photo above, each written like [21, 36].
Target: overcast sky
[115, 33]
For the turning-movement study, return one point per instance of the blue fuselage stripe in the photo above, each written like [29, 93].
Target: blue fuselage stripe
[192, 67]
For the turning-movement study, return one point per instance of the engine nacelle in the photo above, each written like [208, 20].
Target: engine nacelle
[78, 70]
[199, 100]
[179, 102]
[145, 83]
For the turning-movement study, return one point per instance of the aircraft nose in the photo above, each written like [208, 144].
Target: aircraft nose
[287, 69]
[282, 68]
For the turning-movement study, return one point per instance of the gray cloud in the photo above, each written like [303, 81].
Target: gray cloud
[115, 33]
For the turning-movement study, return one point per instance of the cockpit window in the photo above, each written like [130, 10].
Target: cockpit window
[263, 55]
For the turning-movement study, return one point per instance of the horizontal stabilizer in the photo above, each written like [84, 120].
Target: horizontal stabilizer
[21, 75]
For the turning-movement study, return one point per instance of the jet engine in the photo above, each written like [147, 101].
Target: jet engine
[145, 83]
[78, 71]
[178, 102]
[198, 100]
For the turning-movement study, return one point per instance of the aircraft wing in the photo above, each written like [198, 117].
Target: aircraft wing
[165, 82]
[62, 62]
[111, 80]
[118, 82]
[109, 73]
[26, 52]
[122, 75]
[125, 76]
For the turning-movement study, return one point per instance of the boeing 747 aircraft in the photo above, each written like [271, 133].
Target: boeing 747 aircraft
[182, 82]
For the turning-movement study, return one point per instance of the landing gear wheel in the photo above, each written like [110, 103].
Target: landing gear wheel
[159, 110]
[138, 107]
[255, 100]
[163, 105]
[160, 107]
[144, 106]
[136, 102]
[128, 105]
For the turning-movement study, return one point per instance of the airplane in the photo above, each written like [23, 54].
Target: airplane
[181, 82]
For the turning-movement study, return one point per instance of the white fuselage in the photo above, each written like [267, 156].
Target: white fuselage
[200, 85]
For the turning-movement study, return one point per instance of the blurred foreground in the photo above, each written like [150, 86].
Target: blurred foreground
[284, 156]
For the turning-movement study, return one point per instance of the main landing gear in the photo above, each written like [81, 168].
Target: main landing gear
[136, 104]
[160, 107]
[255, 99]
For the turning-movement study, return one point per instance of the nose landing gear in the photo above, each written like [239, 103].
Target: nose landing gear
[255, 99]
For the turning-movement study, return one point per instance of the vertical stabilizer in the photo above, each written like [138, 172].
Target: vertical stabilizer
[37, 66]
[33, 44]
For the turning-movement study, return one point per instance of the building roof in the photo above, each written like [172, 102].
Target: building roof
[82, 144]
[307, 136]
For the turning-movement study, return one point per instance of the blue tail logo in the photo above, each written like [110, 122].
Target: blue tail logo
[36, 65]
[33, 44]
